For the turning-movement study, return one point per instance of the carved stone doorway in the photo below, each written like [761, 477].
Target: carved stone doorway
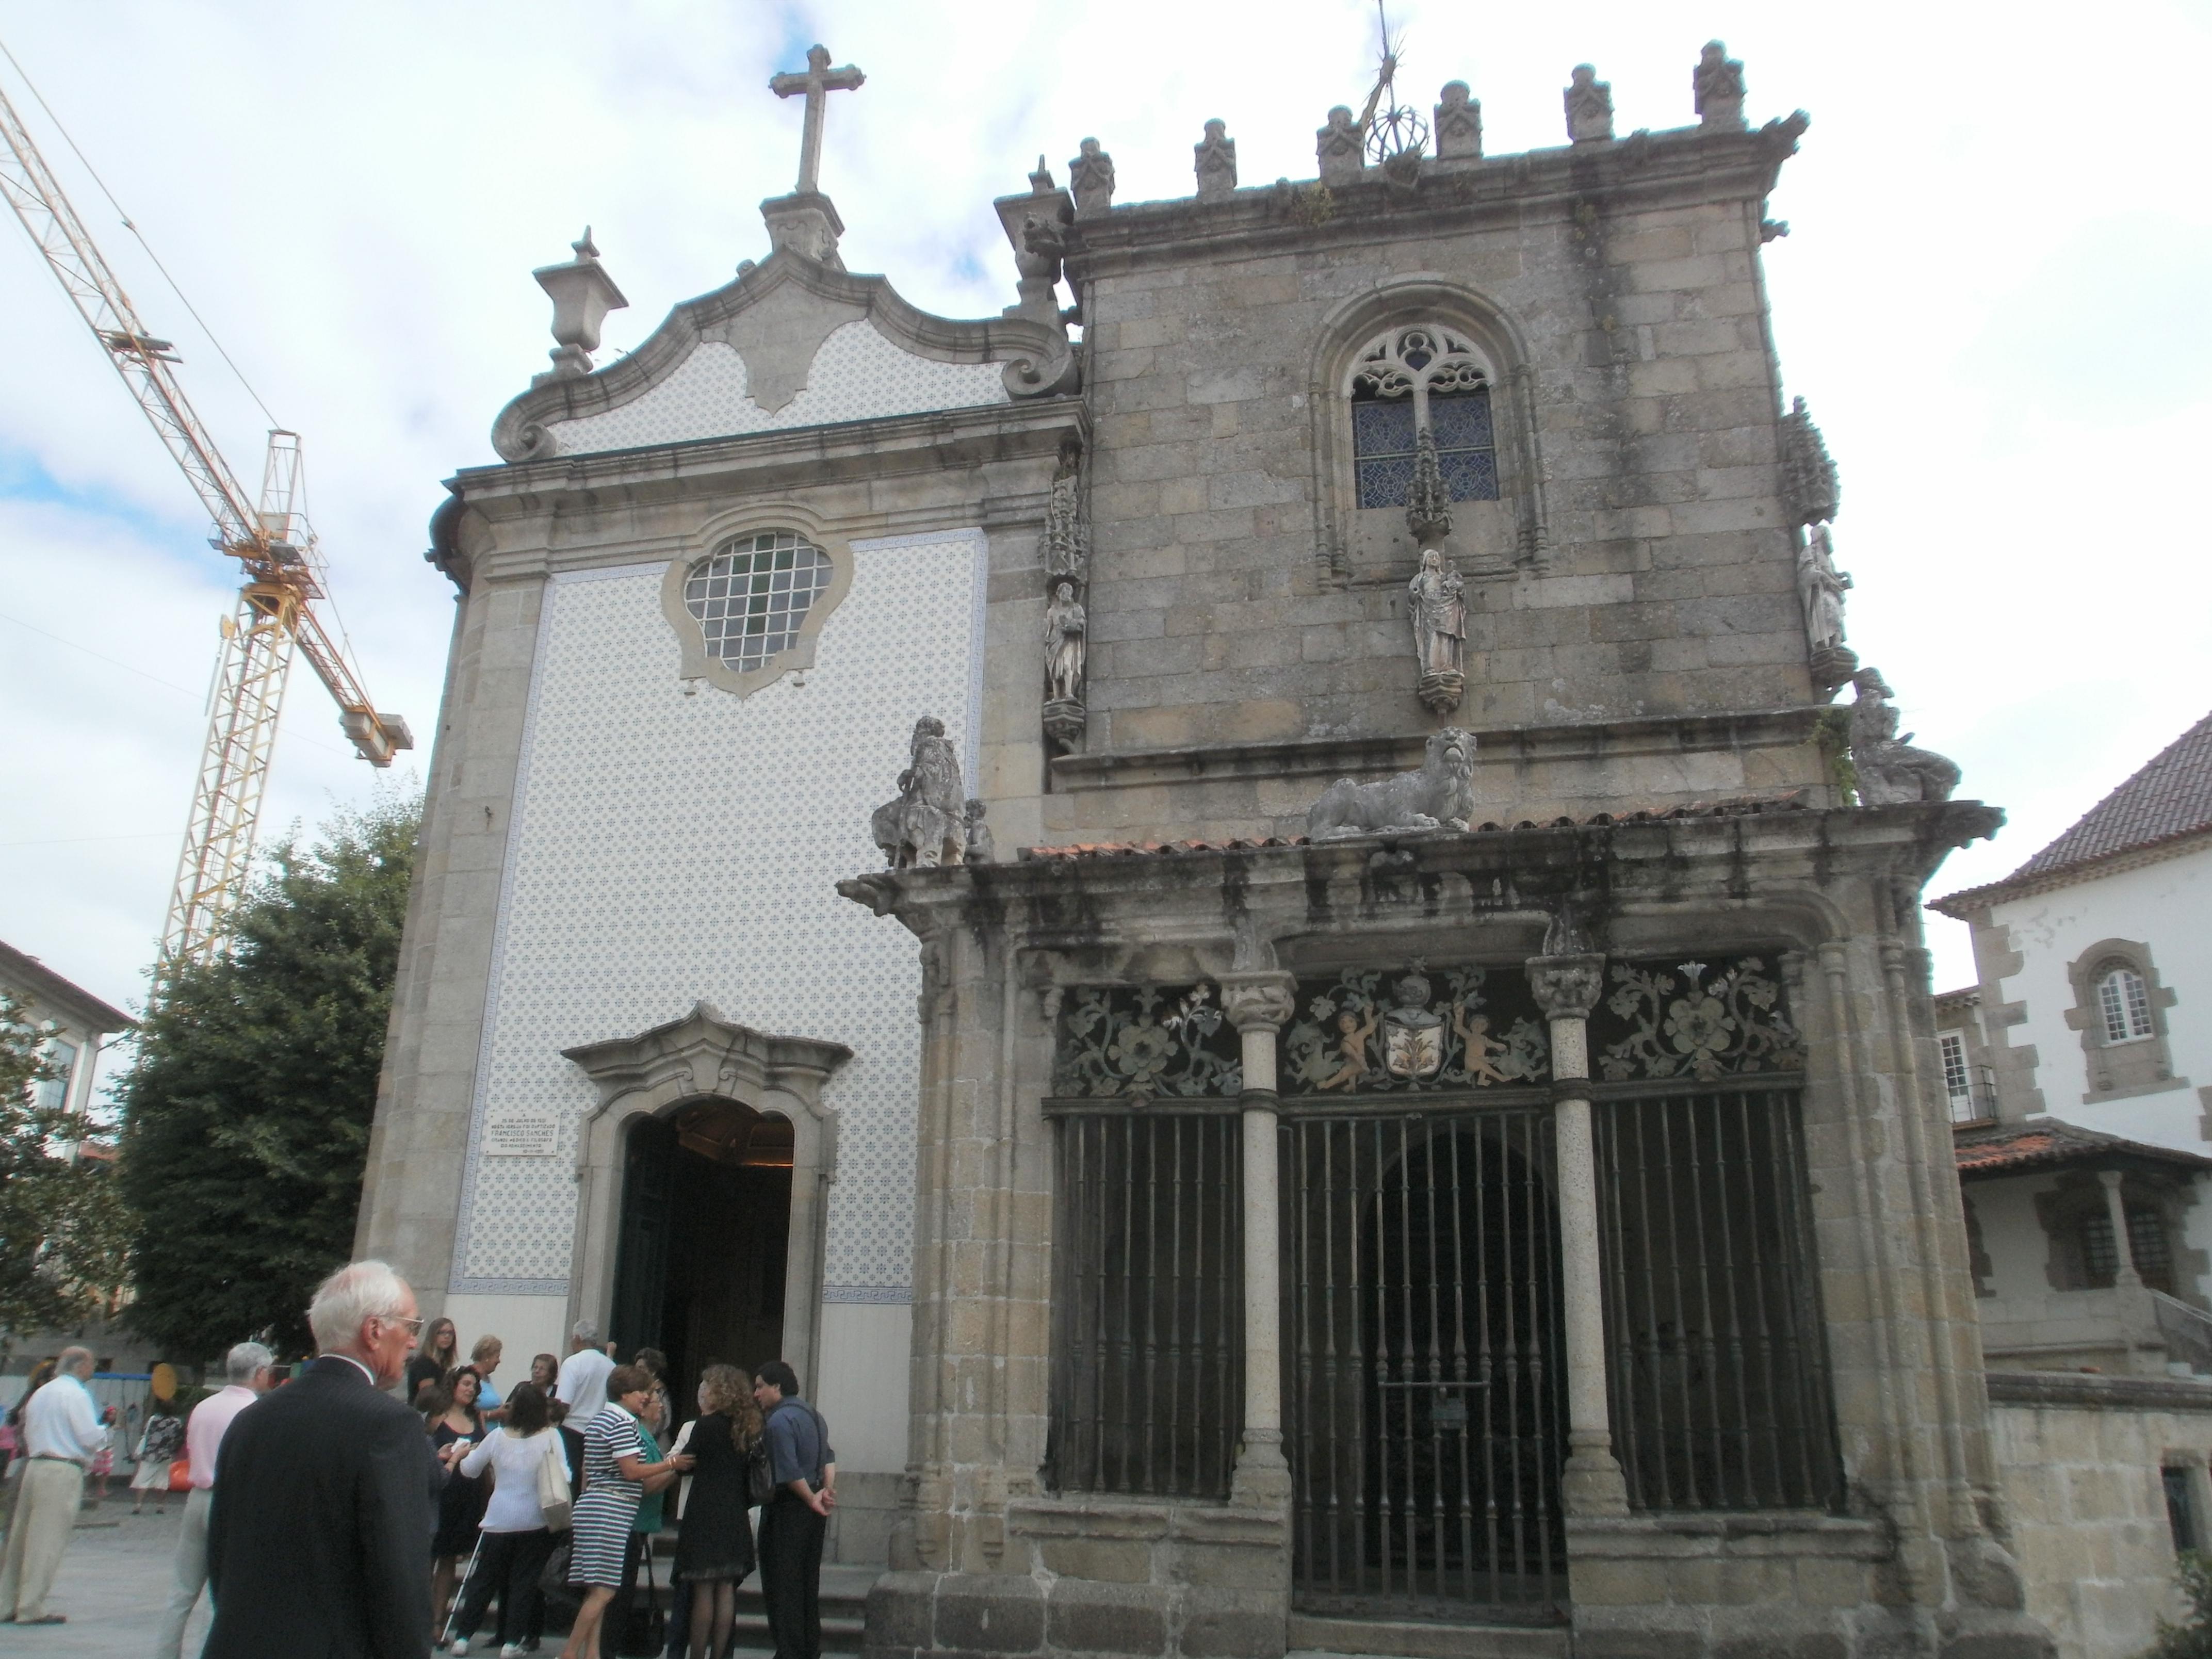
[706, 1219]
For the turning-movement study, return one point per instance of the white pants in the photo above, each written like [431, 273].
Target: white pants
[191, 1574]
[45, 1509]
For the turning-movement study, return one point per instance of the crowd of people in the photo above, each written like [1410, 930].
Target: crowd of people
[386, 1496]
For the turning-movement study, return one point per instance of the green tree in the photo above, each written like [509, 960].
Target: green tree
[2192, 1638]
[246, 1114]
[62, 1225]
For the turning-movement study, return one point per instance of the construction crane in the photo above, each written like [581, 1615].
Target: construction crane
[268, 535]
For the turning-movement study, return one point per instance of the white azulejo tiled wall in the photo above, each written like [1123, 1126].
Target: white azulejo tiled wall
[666, 849]
[858, 375]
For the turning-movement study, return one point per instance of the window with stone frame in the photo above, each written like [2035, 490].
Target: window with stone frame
[2077, 1220]
[1958, 1078]
[2147, 1242]
[751, 596]
[2119, 1011]
[1414, 379]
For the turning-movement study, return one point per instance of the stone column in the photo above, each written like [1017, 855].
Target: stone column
[1567, 988]
[1258, 1004]
[2126, 1278]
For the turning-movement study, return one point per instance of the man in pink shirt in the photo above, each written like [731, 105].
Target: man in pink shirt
[247, 1369]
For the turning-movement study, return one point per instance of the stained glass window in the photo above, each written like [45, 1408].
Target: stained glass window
[1383, 445]
[752, 595]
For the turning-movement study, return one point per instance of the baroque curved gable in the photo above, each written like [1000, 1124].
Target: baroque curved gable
[789, 343]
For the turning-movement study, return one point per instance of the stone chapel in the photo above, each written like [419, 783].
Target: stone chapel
[1232, 906]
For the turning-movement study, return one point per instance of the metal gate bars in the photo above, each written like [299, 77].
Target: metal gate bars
[1423, 1352]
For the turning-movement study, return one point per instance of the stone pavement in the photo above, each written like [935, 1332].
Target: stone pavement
[114, 1583]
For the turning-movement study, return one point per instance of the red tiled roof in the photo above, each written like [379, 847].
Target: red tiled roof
[1792, 801]
[2170, 798]
[2052, 1141]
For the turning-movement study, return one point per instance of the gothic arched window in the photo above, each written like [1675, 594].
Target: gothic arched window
[751, 596]
[1415, 378]
[2123, 1003]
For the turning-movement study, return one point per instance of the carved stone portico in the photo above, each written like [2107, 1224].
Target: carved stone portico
[705, 1056]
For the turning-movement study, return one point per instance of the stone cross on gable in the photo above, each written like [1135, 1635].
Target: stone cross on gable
[817, 83]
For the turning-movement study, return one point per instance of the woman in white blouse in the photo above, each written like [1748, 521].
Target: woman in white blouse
[516, 1541]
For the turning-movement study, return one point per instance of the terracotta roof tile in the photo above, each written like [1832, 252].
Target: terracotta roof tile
[1791, 801]
[2051, 1141]
[2172, 796]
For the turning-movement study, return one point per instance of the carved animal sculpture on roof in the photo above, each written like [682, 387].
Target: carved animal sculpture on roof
[1440, 796]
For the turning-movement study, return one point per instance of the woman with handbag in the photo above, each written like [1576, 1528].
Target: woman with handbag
[714, 1548]
[616, 1478]
[160, 1443]
[528, 1505]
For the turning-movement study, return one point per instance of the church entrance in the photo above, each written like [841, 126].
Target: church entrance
[1426, 1423]
[706, 1215]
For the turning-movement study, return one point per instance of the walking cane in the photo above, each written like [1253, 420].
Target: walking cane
[461, 1594]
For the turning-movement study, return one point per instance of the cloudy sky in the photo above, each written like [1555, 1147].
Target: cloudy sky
[1993, 297]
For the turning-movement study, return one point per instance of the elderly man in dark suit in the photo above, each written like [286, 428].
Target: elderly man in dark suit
[318, 1543]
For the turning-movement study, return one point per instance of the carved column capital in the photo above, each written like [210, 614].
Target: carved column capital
[1566, 987]
[1262, 1000]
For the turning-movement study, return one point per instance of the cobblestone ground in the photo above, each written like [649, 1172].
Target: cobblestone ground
[113, 1584]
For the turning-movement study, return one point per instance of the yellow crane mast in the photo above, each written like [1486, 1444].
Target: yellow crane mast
[268, 536]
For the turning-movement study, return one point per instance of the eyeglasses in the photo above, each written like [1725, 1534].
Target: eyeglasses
[414, 1325]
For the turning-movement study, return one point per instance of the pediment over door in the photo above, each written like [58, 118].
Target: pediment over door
[705, 1054]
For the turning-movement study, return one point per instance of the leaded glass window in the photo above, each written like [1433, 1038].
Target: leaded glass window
[1409, 378]
[753, 594]
[2123, 1001]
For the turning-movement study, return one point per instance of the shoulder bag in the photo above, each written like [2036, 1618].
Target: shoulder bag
[554, 1497]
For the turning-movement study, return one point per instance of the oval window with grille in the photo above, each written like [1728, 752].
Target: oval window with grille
[752, 594]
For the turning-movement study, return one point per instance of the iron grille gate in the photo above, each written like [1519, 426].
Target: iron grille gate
[1424, 1358]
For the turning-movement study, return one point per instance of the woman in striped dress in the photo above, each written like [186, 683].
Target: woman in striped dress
[616, 1478]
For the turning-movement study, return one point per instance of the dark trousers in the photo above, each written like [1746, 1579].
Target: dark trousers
[791, 1537]
[508, 1562]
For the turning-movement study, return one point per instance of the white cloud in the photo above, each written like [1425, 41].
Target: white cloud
[1992, 316]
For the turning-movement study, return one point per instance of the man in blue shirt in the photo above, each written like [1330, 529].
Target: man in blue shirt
[795, 1518]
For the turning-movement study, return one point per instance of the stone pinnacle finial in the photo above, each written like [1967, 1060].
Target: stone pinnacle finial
[1214, 160]
[582, 294]
[1716, 87]
[1590, 106]
[1041, 182]
[585, 248]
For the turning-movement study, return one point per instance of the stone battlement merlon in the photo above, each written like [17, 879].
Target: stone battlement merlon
[1644, 169]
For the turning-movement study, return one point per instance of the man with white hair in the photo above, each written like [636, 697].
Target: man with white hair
[246, 1373]
[325, 1494]
[61, 1434]
[582, 1385]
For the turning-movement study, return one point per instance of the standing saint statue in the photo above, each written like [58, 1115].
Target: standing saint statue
[1436, 603]
[1064, 624]
[1821, 589]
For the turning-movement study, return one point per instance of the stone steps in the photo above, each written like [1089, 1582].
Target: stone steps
[1313, 1637]
[844, 1605]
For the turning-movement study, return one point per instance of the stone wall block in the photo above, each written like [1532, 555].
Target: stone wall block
[997, 1613]
[1092, 1618]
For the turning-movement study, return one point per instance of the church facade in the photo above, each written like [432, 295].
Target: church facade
[1423, 1133]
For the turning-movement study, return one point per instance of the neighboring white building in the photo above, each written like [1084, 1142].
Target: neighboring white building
[2095, 963]
[75, 1021]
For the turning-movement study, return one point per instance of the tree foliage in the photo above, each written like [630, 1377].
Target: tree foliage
[63, 1227]
[2192, 1638]
[248, 1112]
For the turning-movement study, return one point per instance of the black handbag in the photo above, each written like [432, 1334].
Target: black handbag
[760, 1479]
[645, 1633]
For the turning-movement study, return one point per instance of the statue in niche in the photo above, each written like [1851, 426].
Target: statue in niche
[1090, 176]
[1436, 600]
[927, 824]
[1214, 160]
[1821, 589]
[1590, 106]
[1063, 646]
[1890, 771]
[1716, 86]
[1413, 1033]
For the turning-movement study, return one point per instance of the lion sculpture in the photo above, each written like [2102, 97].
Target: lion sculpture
[1440, 796]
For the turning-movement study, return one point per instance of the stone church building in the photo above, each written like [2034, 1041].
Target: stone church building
[1422, 1134]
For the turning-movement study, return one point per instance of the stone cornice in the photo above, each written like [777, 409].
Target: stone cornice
[2085, 1392]
[1750, 877]
[1683, 163]
[1036, 356]
[1334, 757]
[1961, 905]
[711, 469]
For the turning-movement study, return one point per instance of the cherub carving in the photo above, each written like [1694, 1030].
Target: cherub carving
[1353, 1046]
[1480, 1045]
